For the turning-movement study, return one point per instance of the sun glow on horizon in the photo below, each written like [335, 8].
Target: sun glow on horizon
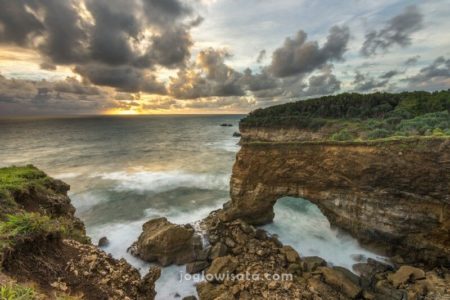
[120, 111]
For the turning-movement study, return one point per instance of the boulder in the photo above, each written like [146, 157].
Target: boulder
[369, 269]
[220, 268]
[218, 250]
[290, 253]
[147, 285]
[103, 242]
[340, 281]
[190, 298]
[209, 291]
[196, 266]
[406, 274]
[236, 134]
[167, 243]
[311, 263]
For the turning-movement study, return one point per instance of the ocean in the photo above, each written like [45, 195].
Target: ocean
[125, 170]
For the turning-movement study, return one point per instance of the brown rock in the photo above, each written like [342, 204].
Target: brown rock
[220, 268]
[406, 274]
[218, 250]
[103, 242]
[290, 253]
[340, 281]
[196, 266]
[166, 243]
[311, 263]
[356, 197]
[209, 291]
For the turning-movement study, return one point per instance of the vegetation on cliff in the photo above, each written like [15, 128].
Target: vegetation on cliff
[352, 116]
[44, 251]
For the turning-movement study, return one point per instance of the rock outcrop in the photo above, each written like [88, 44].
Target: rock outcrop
[51, 251]
[167, 243]
[395, 192]
[258, 266]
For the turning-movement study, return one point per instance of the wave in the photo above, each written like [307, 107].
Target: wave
[145, 181]
[229, 145]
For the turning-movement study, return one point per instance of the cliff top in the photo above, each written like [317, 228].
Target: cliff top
[351, 116]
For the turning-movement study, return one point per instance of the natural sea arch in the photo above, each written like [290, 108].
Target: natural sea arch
[394, 193]
[300, 223]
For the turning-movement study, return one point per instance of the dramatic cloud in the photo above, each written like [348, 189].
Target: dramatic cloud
[209, 76]
[99, 36]
[389, 74]
[363, 83]
[43, 97]
[158, 55]
[324, 84]
[299, 56]
[432, 77]
[397, 31]
[124, 78]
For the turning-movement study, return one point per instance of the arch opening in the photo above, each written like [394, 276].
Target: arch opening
[300, 224]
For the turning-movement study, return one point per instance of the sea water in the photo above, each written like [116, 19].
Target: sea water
[126, 170]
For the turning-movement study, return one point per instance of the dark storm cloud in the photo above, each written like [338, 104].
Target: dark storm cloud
[258, 82]
[124, 78]
[171, 48]
[397, 31]
[298, 56]
[36, 97]
[18, 25]
[115, 25]
[114, 35]
[165, 12]
[47, 66]
[210, 76]
[432, 77]
[389, 74]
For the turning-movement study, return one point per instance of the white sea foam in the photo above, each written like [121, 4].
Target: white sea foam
[122, 235]
[309, 232]
[67, 175]
[144, 181]
[230, 145]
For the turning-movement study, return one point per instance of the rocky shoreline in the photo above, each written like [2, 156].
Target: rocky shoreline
[243, 262]
[236, 259]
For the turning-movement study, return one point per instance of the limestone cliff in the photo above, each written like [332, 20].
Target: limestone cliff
[388, 191]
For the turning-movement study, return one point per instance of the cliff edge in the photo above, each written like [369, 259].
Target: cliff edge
[393, 189]
[44, 251]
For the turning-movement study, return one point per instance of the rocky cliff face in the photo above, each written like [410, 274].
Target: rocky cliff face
[44, 245]
[392, 191]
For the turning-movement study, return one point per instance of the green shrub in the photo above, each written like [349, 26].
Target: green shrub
[343, 135]
[16, 292]
[378, 134]
[26, 225]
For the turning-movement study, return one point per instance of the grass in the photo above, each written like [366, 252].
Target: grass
[401, 140]
[20, 178]
[26, 225]
[16, 292]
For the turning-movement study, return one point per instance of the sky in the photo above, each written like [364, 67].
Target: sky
[70, 57]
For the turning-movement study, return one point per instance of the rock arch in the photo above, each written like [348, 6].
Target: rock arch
[390, 191]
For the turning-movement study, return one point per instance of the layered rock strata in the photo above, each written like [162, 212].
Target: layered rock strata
[395, 192]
